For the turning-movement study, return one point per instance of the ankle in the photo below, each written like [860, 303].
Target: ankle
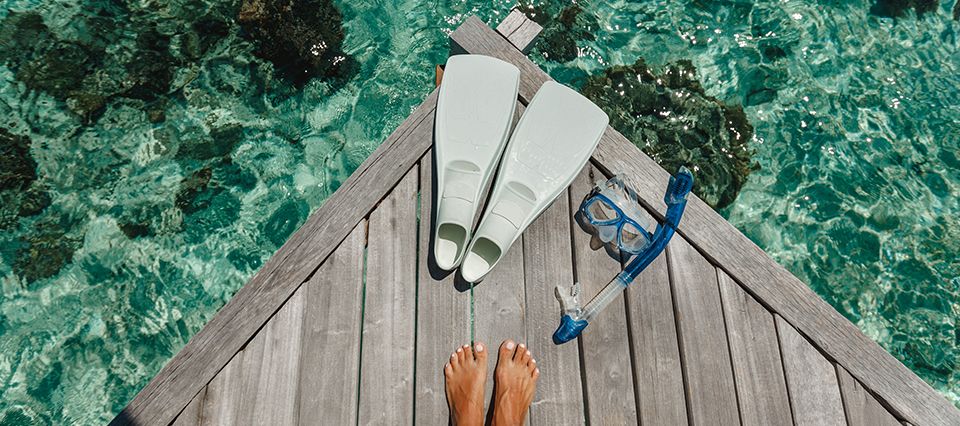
[469, 415]
[506, 413]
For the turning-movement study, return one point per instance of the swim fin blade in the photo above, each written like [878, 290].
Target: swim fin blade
[475, 108]
[552, 142]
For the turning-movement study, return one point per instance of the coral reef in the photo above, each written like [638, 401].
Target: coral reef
[149, 75]
[104, 63]
[898, 8]
[562, 29]
[17, 168]
[197, 193]
[672, 119]
[303, 39]
[21, 195]
[219, 142]
[43, 252]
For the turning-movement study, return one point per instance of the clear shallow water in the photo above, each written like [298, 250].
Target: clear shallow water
[856, 138]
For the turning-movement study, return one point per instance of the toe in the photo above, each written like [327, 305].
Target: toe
[536, 373]
[468, 354]
[480, 352]
[461, 354]
[522, 354]
[447, 370]
[506, 349]
[455, 360]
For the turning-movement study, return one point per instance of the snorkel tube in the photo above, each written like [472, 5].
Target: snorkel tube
[575, 318]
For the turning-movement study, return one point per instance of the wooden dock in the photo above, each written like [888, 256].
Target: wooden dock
[349, 322]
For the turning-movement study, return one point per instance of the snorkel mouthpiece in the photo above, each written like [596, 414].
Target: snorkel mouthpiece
[568, 330]
[679, 186]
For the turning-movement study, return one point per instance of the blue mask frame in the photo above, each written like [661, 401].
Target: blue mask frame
[621, 220]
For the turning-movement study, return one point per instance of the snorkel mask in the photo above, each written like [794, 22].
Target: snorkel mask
[613, 213]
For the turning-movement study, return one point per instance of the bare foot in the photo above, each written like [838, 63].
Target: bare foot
[514, 383]
[466, 373]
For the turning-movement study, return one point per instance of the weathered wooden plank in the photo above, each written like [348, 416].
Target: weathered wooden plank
[269, 368]
[329, 358]
[755, 351]
[273, 369]
[192, 414]
[210, 349]
[443, 313]
[656, 363]
[711, 393]
[519, 30]
[548, 261]
[500, 309]
[724, 245]
[222, 397]
[389, 313]
[861, 408]
[250, 360]
[604, 344]
[811, 380]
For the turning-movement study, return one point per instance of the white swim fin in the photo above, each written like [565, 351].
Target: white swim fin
[478, 97]
[551, 144]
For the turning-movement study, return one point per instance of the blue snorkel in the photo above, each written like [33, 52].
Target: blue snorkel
[575, 318]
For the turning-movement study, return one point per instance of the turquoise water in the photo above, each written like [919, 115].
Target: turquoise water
[152, 161]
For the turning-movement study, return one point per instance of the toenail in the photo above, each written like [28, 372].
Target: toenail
[466, 346]
[522, 346]
[479, 347]
[510, 345]
[534, 361]
[459, 349]
[453, 355]
[528, 353]
[536, 370]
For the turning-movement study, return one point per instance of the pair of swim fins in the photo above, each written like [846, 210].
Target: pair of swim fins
[552, 142]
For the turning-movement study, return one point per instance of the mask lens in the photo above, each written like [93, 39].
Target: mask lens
[601, 212]
[632, 239]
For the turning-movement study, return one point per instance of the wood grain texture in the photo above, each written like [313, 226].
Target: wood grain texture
[271, 369]
[724, 245]
[811, 380]
[443, 314]
[210, 349]
[250, 360]
[192, 414]
[389, 313]
[222, 397]
[330, 336]
[709, 383]
[604, 344]
[519, 30]
[500, 308]
[547, 262]
[755, 351]
[861, 408]
[656, 364]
